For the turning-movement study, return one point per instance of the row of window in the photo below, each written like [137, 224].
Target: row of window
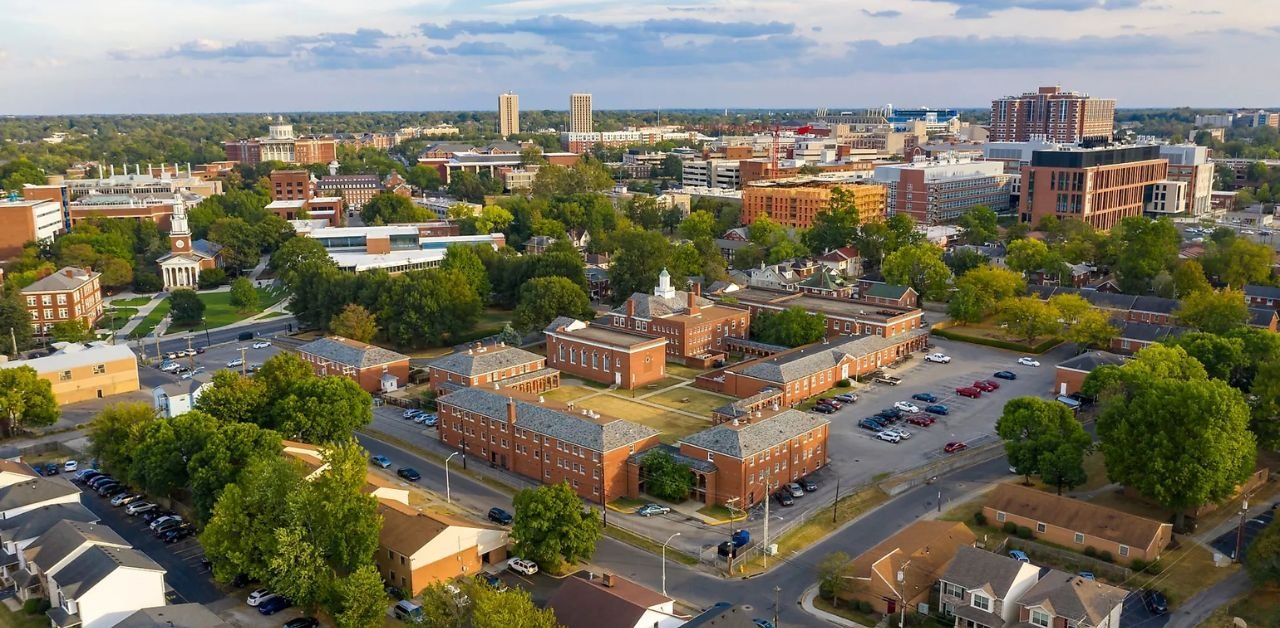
[98, 369]
[1079, 537]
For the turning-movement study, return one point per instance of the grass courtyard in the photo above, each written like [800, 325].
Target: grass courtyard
[149, 323]
[672, 425]
[568, 392]
[219, 312]
[690, 399]
[116, 317]
[134, 302]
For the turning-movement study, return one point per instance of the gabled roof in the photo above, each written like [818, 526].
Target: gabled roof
[1073, 514]
[724, 615]
[1261, 292]
[37, 521]
[975, 568]
[35, 491]
[406, 531]
[824, 279]
[1159, 305]
[184, 615]
[1091, 360]
[652, 306]
[596, 432]
[1077, 599]
[485, 359]
[928, 545]
[1147, 332]
[793, 365]
[582, 603]
[66, 537]
[97, 563]
[1261, 316]
[68, 278]
[350, 352]
[888, 291]
[747, 439]
[841, 254]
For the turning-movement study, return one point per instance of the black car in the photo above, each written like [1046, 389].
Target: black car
[498, 515]
[111, 490]
[409, 473]
[785, 498]
[166, 527]
[1155, 602]
[177, 534]
[885, 417]
[893, 412]
[152, 515]
[809, 485]
[823, 408]
[84, 479]
[925, 397]
[870, 423]
[303, 622]
[51, 469]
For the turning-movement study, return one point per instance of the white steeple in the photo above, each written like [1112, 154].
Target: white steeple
[664, 288]
[178, 222]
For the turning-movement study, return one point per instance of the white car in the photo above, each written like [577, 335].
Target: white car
[888, 437]
[261, 344]
[169, 366]
[457, 594]
[69, 466]
[259, 596]
[1246, 231]
[1026, 361]
[907, 406]
[234, 363]
[522, 566]
[903, 434]
[940, 358]
[137, 508]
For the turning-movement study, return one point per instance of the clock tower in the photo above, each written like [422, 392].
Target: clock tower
[179, 233]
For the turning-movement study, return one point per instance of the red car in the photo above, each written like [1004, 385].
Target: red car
[986, 385]
[969, 391]
[955, 446]
[923, 420]
[831, 402]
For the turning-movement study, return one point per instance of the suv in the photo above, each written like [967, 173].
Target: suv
[1155, 602]
[969, 391]
[870, 424]
[888, 437]
[940, 358]
[847, 397]
[784, 498]
[522, 566]
[823, 408]
[498, 515]
[137, 508]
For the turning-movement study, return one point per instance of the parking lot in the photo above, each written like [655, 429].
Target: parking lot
[213, 359]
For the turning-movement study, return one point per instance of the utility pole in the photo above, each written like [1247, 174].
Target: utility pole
[1244, 512]
[191, 354]
[243, 367]
[835, 506]
[768, 492]
[777, 590]
[902, 598]
[13, 336]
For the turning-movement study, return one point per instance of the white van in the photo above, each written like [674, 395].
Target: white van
[404, 609]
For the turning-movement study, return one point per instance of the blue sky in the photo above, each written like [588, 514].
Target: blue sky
[74, 56]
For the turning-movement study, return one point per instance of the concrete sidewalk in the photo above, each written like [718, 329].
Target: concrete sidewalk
[806, 603]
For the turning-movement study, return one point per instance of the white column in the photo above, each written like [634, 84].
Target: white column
[168, 281]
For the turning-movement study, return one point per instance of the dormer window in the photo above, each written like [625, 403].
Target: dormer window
[981, 602]
[1040, 618]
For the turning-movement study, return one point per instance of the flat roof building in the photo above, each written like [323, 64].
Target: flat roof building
[795, 202]
[1053, 114]
[28, 221]
[1099, 186]
[79, 372]
[942, 189]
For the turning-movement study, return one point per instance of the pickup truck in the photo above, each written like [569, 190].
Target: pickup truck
[887, 379]
[940, 358]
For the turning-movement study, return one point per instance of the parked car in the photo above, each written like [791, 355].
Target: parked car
[137, 508]
[69, 466]
[411, 412]
[954, 446]
[937, 357]
[84, 475]
[157, 513]
[304, 622]
[784, 498]
[111, 490]
[274, 605]
[522, 566]
[409, 473]
[889, 437]
[169, 367]
[925, 397]
[234, 363]
[649, 510]
[177, 534]
[1087, 575]
[762, 623]
[887, 379]
[986, 385]
[1019, 556]
[159, 521]
[165, 527]
[258, 596]
[903, 434]
[430, 420]
[906, 406]
[380, 460]
[809, 485]
[831, 402]
[795, 489]
[1155, 602]
[1028, 361]
[893, 412]
[969, 391]
[498, 515]
[823, 408]
[124, 499]
[262, 344]
[847, 397]
[98, 479]
[886, 418]
[923, 420]
[52, 469]
[492, 581]
[938, 408]
[1009, 375]
[871, 424]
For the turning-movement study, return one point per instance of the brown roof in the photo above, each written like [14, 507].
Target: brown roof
[314, 460]
[929, 545]
[406, 530]
[582, 603]
[1076, 515]
[21, 468]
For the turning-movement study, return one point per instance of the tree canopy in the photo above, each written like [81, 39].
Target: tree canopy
[791, 327]
[544, 298]
[551, 527]
[1033, 429]
[919, 266]
[26, 400]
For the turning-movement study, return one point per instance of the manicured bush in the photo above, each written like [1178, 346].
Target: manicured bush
[980, 518]
[1105, 556]
[1025, 533]
[1139, 565]
[1090, 551]
[864, 606]
[35, 606]
[1009, 527]
[844, 383]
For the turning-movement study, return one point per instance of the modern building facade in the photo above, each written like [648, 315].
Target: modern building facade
[941, 189]
[79, 372]
[393, 248]
[695, 327]
[28, 221]
[608, 356]
[712, 173]
[1053, 114]
[796, 202]
[508, 114]
[1099, 186]
[1190, 164]
[71, 294]
[580, 113]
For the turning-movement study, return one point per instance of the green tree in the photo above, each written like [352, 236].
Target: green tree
[185, 308]
[1027, 255]
[979, 290]
[225, 455]
[115, 432]
[552, 528]
[463, 259]
[1063, 467]
[665, 477]
[1145, 247]
[280, 373]
[428, 306]
[1239, 261]
[699, 224]
[240, 535]
[387, 208]
[545, 298]
[1214, 312]
[1027, 318]
[1263, 558]
[234, 398]
[116, 273]
[160, 464]
[791, 327]
[359, 600]
[15, 324]
[640, 257]
[962, 261]
[296, 254]
[979, 225]
[71, 331]
[1032, 427]
[241, 241]
[1171, 433]
[835, 577]
[211, 278]
[1189, 277]
[491, 608]
[919, 266]
[424, 178]
[244, 295]
[1082, 324]
[836, 225]
[26, 399]
[355, 322]
[1221, 356]
[323, 410]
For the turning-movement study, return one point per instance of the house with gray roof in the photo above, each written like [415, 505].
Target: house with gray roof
[1064, 599]
[21, 497]
[982, 588]
[544, 440]
[104, 585]
[185, 615]
[375, 369]
[57, 547]
[493, 365]
[20, 531]
[180, 397]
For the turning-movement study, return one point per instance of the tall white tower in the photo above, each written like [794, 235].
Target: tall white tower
[664, 288]
[580, 113]
[280, 130]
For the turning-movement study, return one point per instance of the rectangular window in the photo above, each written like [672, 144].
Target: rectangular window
[66, 375]
[1124, 550]
[100, 369]
[1040, 527]
[953, 590]
[1040, 618]
[1079, 539]
[981, 602]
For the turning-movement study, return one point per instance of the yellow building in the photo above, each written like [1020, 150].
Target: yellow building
[81, 372]
[795, 202]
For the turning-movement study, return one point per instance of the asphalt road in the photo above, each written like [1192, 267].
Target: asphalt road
[200, 338]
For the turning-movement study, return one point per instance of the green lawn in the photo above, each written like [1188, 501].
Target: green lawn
[673, 426]
[134, 302]
[219, 312]
[690, 400]
[149, 323]
[116, 317]
[10, 619]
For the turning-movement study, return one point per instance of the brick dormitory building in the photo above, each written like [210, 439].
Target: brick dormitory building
[602, 354]
[695, 327]
[489, 365]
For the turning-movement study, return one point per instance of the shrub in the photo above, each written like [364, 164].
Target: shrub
[1105, 556]
[211, 278]
[1090, 551]
[1009, 527]
[844, 383]
[1025, 533]
[1139, 565]
[864, 606]
[980, 518]
[35, 606]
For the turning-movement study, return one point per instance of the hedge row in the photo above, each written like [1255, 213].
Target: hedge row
[999, 344]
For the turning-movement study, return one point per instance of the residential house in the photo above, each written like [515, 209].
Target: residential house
[845, 317]
[13, 472]
[1262, 296]
[1121, 307]
[1264, 318]
[1062, 599]
[606, 355]
[893, 295]
[186, 615]
[826, 282]
[418, 549]
[598, 282]
[1076, 276]
[375, 369]
[611, 601]
[19, 531]
[62, 543]
[1134, 337]
[487, 365]
[981, 589]
[178, 398]
[844, 260]
[920, 552]
[1071, 373]
[104, 585]
[27, 495]
[1079, 524]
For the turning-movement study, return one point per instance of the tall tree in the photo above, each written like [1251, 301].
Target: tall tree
[1027, 255]
[545, 298]
[1221, 356]
[665, 477]
[359, 599]
[1028, 318]
[552, 528]
[836, 577]
[430, 306]
[1032, 427]
[698, 225]
[160, 464]
[640, 257]
[1189, 277]
[1239, 261]
[26, 399]
[244, 295]
[386, 208]
[296, 254]
[240, 535]
[1145, 248]
[1214, 312]
[71, 331]
[234, 398]
[115, 433]
[323, 410]
[225, 455]
[15, 324]
[1063, 467]
[185, 308]
[919, 266]
[979, 225]
[791, 327]
[503, 609]
[836, 225]
[464, 259]
[355, 322]
[241, 241]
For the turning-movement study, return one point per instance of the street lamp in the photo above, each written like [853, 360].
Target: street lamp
[448, 496]
[664, 562]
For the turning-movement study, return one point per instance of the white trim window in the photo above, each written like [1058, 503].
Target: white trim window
[981, 602]
[1041, 618]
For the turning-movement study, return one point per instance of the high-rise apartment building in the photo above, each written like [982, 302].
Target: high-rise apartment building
[1058, 116]
[508, 114]
[1099, 186]
[580, 113]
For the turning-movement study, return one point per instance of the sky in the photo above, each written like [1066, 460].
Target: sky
[148, 56]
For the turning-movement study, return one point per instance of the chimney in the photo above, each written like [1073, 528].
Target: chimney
[693, 303]
[608, 580]
[631, 308]
[69, 272]
[511, 411]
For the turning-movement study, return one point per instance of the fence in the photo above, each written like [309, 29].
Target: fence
[1068, 560]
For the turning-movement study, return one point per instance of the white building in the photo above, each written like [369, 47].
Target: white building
[103, 586]
[1216, 120]
[179, 398]
[713, 173]
[1015, 155]
[1190, 164]
[181, 267]
[1167, 197]
[941, 189]
[393, 248]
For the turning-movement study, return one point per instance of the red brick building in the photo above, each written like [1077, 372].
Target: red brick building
[811, 370]
[1099, 186]
[375, 369]
[1070, 374]
[67, 295]
[608, 356]
[292, 185]
[695, 327]
[844, 317]
[1063, 117]
[796, 202]
[544, 441]
[486, 365]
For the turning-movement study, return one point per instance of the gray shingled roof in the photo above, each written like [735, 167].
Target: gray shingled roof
[972, 568]
[35, 522]
[96, 563]
[1091, 360]
[742, 441]
[1075, 598]
[185, 615]
[1261, 316]
[484, 360]
[351, 353]
[1148, 332]
[66, 537]
[560, 425]
[59, 281]
[35, 491]
[1262, 292]
[787, 367]
[652, 306]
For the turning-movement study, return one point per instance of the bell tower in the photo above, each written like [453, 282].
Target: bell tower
[179, 233]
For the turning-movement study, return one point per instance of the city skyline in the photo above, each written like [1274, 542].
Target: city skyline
[451, 55]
